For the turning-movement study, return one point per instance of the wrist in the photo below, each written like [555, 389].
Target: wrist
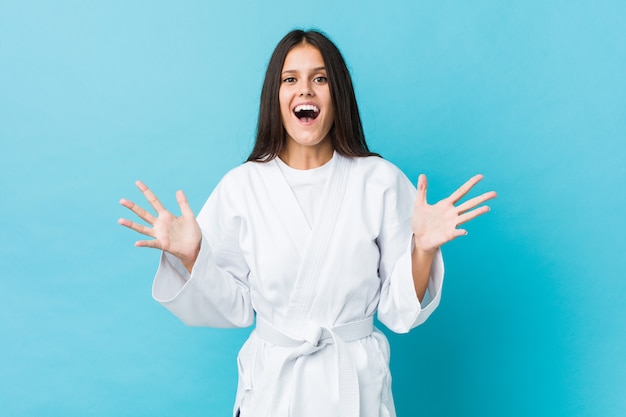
[189, 261]
[423, 250]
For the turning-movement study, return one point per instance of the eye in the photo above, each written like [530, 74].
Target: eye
[289, 80]
[320, 79]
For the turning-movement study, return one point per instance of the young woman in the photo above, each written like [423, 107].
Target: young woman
[313, 235]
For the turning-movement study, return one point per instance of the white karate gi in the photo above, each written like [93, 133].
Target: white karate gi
[260, 255]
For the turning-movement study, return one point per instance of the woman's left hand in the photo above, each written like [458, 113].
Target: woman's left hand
[434, 225]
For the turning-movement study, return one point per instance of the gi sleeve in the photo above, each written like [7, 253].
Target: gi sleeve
[399, 308]
[216, 293]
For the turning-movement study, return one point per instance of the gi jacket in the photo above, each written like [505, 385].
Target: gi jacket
[314, 288]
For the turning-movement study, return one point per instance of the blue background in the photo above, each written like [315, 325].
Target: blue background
[94, 95]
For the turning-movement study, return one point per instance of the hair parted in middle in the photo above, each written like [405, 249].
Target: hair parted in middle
[347, 136]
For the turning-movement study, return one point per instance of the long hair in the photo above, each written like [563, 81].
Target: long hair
[346, 134]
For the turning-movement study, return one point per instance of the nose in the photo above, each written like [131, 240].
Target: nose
[306, 90]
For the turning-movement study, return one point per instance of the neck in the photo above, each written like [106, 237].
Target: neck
[307, 157]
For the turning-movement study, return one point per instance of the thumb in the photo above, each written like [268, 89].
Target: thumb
[422, 187]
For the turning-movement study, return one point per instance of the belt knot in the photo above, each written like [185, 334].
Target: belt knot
[312, 333]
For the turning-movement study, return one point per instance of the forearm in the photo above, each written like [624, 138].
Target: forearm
[421, 265]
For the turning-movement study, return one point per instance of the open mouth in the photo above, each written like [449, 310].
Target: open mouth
[306, 112]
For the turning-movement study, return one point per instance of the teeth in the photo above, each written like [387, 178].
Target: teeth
[309, 107]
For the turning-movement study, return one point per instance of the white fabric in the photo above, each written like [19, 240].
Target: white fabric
[308, 186]
[255, 239]
[301, 303]
[315, 338]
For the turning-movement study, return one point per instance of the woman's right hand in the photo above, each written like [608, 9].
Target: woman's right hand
[179, 236]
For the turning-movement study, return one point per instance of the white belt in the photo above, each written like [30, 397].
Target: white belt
[277, 373]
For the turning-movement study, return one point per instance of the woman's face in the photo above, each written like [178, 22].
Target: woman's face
[305, 105]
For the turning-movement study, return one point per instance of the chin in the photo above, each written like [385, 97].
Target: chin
[310, 142]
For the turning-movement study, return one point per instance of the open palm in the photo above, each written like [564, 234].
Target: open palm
[434, 225]
[179, 236]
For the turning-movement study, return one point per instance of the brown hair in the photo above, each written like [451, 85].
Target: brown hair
[346, 134]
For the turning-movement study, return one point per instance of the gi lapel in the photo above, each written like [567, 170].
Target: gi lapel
[293, 219]
[305, 286]
[304, 337]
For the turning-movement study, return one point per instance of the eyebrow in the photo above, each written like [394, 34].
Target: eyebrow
[318, 69]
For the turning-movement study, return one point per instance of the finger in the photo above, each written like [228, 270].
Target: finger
[422, 186]
[155, 244]
[185, 210]
[139, 228]
[139, 211]
[476, 201]
[464, 189]
[152, 199]
[464, 218]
